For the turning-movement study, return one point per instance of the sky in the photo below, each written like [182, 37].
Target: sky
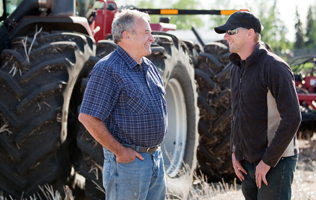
[286, 8]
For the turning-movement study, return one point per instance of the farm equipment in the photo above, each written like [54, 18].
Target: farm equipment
[48, 48]
[304, 68]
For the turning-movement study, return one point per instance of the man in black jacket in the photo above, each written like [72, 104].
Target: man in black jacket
[265, 112]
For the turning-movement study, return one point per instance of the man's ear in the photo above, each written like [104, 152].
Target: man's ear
[251, 32]
[125, 35]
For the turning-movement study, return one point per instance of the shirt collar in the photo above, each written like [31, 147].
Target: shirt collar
[131, 63]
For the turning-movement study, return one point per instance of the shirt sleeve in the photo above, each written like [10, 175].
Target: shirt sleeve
[281, 83]
[101, 93]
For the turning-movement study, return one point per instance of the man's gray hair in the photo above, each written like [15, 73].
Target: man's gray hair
[126, 21]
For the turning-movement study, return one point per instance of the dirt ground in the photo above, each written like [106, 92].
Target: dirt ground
[307, 156]
[304, 183]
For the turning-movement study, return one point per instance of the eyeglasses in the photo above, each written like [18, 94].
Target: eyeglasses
[234, 31]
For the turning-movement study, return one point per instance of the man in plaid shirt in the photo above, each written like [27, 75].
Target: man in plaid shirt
[125, 111]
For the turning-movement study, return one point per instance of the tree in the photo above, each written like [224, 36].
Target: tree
[274, 28]
[310, 29]
[182, 21]
[299, 43]
[219, 19]
[148, 4]
[186, 21]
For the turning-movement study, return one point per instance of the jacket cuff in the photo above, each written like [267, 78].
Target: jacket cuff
[232, 149]
[271, 163]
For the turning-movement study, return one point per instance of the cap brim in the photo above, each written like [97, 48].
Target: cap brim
[223, 28]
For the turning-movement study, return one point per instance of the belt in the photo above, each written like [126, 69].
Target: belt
[142, 149]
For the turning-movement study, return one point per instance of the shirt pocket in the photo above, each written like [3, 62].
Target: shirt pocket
[162, 90]
[136, 100]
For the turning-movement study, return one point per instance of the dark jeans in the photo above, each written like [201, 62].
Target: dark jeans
[279, 180]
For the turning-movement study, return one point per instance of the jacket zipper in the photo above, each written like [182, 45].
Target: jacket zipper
[238, 104]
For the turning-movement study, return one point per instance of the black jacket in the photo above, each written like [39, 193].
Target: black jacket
[265, 108]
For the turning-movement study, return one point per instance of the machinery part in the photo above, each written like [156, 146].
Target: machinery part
[37, 78]
[170, 55]
[105, 47]
[308, 124]
[198, 37]
[304, 68]
[88, 159]
[212, 74]
[89, 163]
[188, 11]
[88, 153]
[194, 51]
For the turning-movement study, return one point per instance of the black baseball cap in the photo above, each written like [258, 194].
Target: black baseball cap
[241, 19]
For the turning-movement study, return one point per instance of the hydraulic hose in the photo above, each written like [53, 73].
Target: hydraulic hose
[27, 7]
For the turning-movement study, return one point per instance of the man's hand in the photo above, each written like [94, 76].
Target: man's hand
[239, 170]
[128, 155]
[100, 133]
[261, 172]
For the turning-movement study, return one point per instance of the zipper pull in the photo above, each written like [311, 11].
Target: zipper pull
[240, 83]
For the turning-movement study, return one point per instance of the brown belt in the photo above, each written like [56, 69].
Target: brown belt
[142, 149]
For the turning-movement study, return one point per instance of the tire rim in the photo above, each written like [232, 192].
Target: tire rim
[173, 145]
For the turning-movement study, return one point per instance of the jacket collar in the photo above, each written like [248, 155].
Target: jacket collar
[235, 59]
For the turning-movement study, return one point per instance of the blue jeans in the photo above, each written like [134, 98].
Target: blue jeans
[279, 180]
[140, 179]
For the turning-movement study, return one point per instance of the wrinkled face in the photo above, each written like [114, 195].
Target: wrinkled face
[142, 38]
[236, 41]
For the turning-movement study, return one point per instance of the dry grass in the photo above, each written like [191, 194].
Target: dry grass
[4, 128]
[47, 194]
[303, 187]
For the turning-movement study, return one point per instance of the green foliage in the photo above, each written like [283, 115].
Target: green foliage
[299, 43]
[216, 20]
[186, 21]
[310, 28]
[182, 21]
[148, 4]
[274, 28]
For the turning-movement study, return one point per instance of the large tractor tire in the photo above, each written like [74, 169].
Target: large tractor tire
[171, 56]
[88, 161]
[212, 74]
[172, 60]
[37, 75]
[87, 153]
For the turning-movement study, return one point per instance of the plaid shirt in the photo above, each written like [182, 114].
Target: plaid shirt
[128, 98]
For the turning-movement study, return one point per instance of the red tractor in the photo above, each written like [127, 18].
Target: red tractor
[48, 48]
[304, 68]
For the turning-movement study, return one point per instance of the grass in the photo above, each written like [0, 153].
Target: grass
[303, 187]
[47, 194]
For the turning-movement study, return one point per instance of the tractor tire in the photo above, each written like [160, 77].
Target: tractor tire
[212, 74]
[37, 77]
[89, 158]
[307, 128]
[308, 125]
[171, 57]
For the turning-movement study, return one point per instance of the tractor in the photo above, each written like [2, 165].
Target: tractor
[48, 48]
[304, 69]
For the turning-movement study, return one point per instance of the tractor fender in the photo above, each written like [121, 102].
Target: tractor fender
[50, 23]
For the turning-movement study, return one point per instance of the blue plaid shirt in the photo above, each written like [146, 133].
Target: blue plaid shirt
[128, 98]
